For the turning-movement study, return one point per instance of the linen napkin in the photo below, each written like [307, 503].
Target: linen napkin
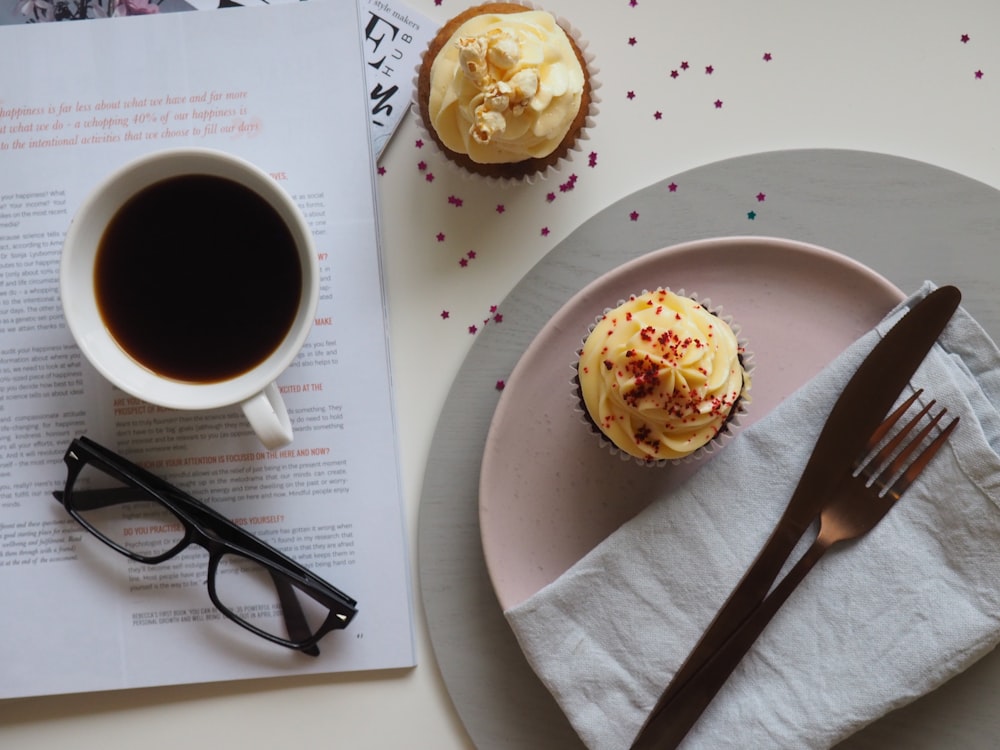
[877, 623]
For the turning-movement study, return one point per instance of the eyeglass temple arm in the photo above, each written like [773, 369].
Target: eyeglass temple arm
[94, 499]
[291, 610]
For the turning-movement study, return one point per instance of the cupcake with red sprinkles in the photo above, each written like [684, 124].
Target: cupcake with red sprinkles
[663, 377]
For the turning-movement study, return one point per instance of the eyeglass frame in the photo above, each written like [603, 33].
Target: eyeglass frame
[216, 534]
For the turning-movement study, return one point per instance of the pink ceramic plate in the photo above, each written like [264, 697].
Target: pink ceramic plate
[549, 493]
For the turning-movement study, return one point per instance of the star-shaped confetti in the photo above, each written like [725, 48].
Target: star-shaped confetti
[429, 177]
[501, 208]
[979, 74]
[767, 57]
[684, 65]
[445, 315]
[718, 103]
[632, 41]
[965, 38]
[463, 262]
[419, 143]
[657, 115]
[455, 201]
[674, 74]
[630, 95]
[761, 197]
[440, 236]
[672, 187]
[422, 166]
[473, 330]
[751, 215]
[709, 69]
[471, 255]
[381, 170]
[633, 216]
[592, 159]
[550, 197]
[545, 232]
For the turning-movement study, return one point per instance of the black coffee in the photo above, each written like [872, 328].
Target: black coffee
[197, 277]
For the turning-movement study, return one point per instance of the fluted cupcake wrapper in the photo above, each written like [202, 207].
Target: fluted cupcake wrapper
[733, 422]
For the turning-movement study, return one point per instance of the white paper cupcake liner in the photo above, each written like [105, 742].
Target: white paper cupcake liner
[733, 423]
[568, 157]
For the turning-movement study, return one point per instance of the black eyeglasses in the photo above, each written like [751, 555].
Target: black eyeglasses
[150, 521]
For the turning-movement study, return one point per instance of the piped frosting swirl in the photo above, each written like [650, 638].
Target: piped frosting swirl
[660, 375]
[506, 87]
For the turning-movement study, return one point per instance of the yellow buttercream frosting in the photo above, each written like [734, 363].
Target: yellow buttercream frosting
[506, 87]
[660, 375]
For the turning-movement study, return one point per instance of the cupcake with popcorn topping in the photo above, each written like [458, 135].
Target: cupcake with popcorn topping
[662, 377]
[504, 90]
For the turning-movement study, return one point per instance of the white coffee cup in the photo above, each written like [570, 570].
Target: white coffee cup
[254, 389]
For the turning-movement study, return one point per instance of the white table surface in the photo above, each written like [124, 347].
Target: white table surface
[893, 77]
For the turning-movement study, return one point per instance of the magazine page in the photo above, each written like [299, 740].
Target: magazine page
[282, 87]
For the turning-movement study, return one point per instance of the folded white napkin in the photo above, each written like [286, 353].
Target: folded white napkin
[877, 623]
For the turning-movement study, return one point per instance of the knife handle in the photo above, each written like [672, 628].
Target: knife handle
[742, 602]
[681, 713]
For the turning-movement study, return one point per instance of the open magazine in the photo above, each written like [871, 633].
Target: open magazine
[282, 87]
[393, 35]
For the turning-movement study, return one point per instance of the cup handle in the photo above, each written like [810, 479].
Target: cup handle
[268, 416]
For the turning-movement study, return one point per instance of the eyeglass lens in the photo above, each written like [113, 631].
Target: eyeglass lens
[257, 595]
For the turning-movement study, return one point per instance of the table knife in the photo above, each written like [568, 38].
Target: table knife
[859, 409]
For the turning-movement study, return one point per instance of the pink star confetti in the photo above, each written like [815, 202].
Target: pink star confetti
[674, 74]
[422, 166]
[965, 38]
[419, 143]
[429, 177]
[684, 65]
[657, 115]
[550, 197]
[709, 69]
[761, 197]
[767, 57]
[630, 95]
[471, 255]
[500, 383]
[545, 232]
[473, 330]
[440, 236]
[498, 318]
[632, 41]
[718, 103]
[633, 3]
[672, 187]
[445, 315]
[381, 171]
[592, 159]
[979, 74]
[463, 262]
[633, 216]
[455, 201]
[500, 208]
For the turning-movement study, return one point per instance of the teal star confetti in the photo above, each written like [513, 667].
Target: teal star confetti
[751, 215]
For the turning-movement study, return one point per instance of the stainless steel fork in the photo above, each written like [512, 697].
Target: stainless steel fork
[858, 504]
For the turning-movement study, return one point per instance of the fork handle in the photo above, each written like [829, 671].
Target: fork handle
[742, 601]
[676, 716]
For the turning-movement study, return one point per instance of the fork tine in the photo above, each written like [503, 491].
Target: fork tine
[897, 440]
[887, 424]
[920, 462]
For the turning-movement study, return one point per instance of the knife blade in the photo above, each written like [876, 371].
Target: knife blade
[859, 409]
